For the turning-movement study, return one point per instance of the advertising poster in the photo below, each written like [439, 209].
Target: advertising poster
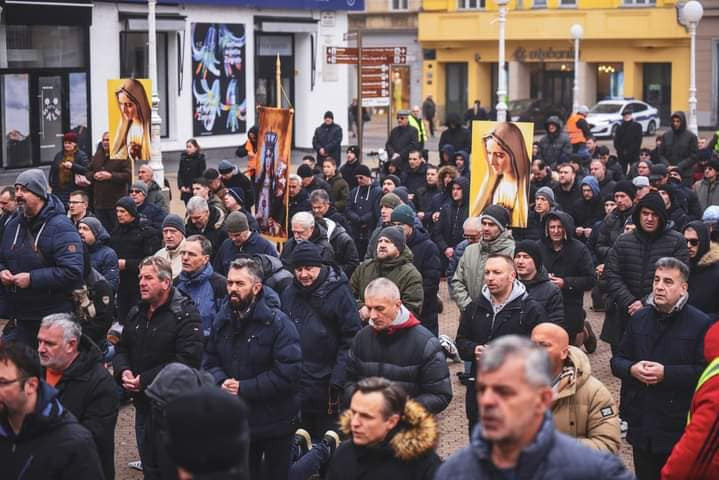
[218, 79]
[500, 164]
[129, 111]
[274, 146]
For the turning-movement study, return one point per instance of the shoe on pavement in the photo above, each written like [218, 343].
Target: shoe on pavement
[590, 340]
[303, 441]
[332, 440]
[136, 465]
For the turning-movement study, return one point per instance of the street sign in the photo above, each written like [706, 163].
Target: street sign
[375, 102]
[370, 55]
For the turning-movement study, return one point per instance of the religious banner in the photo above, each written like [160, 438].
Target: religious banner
[129, 113]
[500, 165]
[218, 79]
[274, 149]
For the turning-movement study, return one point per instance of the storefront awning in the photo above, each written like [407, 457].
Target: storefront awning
[48, 12]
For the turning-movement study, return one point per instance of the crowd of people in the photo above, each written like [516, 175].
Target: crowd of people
[323, 357]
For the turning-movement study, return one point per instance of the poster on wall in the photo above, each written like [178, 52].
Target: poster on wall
[274, 146]
[500, 166]
[129, 114]
[218, 79]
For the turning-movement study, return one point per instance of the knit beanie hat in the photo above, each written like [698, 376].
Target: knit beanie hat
[640, 181]
[237, 194]
[174, 221]
[497, 215]
[225, 166]
[35, 181]
[127, 204]
[390, 200]
[626, 186]
[354, 149]
[329, 114]
[404, 215]
[94, 225]
[546, 193]
[363, 170]
[394, 235]
[236, 222]
[654, 202]
[305, 171]
[394, 179]
[593, 184]
[211, 174]
[531, 248]
[306, 254]
[139, 185]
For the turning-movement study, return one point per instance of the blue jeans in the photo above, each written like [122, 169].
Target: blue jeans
[310, 463]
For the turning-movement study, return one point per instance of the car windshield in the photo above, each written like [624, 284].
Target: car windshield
[606, 108]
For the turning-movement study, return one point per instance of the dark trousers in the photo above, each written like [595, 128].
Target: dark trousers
[107, 217]
[270, 457]
[318, 423]
[648, 465]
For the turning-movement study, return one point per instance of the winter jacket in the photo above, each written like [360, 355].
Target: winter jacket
[298, 203]
[49, 248]
[104, 258]
[415, 179]
[449, 229]
[554, 148]
[256, 243]
[207, 290]
[326, 318]
[679, 147]
[704, 274]
[261, 349]
[190, 168]
[406, 353]
[479, 324]
[406, 454]
[707, 193]
[657, 414]
[346, 255]
[328, 137]
[80, 166]
[547, 295]
[457, 136]
[426, 260]
[52, 445]
[339, 191]
[402, 140]
[628, 142]
[174, 257]
[319, 238]
[583, 407]
[156, 197]
[88, 390]
[172, 334]
[102, 297]
[398, 269]
[565, 199]
[211, 232]
[318, 183]
[240, 180]
[695, 454]
[347, 170]
[152, 213]
[424, 199]
[573, 263]
[106, 193]
[587, 212]
[610, 229]
[551, 456]
[468, 280]
[363, 210]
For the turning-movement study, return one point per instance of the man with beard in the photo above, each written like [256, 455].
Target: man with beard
[588, 210]
[425, 196]
[679, 147]
[567, 191]
[349, 168]
[268, 375]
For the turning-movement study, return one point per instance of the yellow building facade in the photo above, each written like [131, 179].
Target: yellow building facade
[628, 49]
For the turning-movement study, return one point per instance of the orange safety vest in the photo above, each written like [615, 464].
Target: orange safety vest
[575, 133]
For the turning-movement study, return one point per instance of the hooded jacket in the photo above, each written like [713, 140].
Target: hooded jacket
[588, 212]
[554, 148]
[339, 191]
[363, 210]
[679, 147]
[328, 137]
[449, 229]
[455, 135]
[49, 248]
[426, 259]
[468, 279]
[415, 179]
[704, 272]
[464, 171]
[408, 452]
[229, 251]
[583, 407]
[707, 193]
[551, 456]
[609, 230]
[546, 294]
[628, 142]
[51, 445]
[319, 237]
[207, 289]
[104, 258]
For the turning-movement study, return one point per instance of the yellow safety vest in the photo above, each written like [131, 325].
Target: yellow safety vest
[419, 126]
[710, 372]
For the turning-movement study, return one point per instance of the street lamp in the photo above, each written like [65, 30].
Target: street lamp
[693, 12]
[576, 31]
[501, 73]
[156, 121]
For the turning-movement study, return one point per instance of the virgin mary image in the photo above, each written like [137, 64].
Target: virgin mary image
[132, 136]
[507, 179]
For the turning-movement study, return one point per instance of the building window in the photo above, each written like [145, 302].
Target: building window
[639, 3]
[42, 46]
[470, 4]
[399, 4]
[568, 3]
[539, 3]
[15, 120]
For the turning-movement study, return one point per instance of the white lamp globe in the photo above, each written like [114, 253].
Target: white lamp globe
[577, 31]
[693, 11]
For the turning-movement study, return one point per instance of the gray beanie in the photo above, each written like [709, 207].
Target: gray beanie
[546, 193]
[139, 185]
[394, 235]
[35, 181]
[225, 166]
[174, 221]
[236, 222]
[94, 225]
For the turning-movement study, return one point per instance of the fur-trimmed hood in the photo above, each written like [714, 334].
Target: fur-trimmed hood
[414, 436]
[711, 257]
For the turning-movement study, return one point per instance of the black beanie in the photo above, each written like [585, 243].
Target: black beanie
[394, 235]
[329, 114]
[128, 204]
[531, 248]
[306, 254]
[394, 179]
[654, 202]
[304, 171]
[497, 214]
[626, 186]
[363, 170]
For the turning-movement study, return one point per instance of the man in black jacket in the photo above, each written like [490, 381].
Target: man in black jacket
[39, 438]
[305, 229]
[659, 361]
[455, 135]
[449, 229]
[84, 385]
[164, 328]
[427, 194]
[232, 177]
[350, 166]
[346, 256]
[679, 147]
[567, 190]
[363, 208]
[199, 223]
[613, 224]
[402, 139]
[414, 177]
[327, 140]
[628, 139]
[531, 272]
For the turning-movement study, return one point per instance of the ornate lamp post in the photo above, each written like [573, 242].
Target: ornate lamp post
[501, 73]
[576, 31]
[693, 12]
[156, 120]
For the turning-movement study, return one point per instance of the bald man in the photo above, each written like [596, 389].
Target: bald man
[582, 406]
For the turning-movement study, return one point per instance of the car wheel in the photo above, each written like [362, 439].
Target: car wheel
[613, 132]
[651, 128]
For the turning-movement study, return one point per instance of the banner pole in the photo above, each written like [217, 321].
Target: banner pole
[278, 80]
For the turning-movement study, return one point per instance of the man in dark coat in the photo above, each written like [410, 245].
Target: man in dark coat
[312, 181]
[41, 260]
[415, 176]
[339, 188]
[241, 240]
[83, 383]
[425, 196]
[304, 228]
[613, 225]
[232, 177]
[429, 110]
[165, 327]
[531, 272]
[346, 256]
[449, 231]
[363, 208]
[327, 140]
[254, 352]
[567, 191]
[455, 135]
[402, 139]
[347, 170]
[659, 361]
[199, 222]
[541, 177]
[103, 258]
[320, 303]
[426, 260]
[704, 268]
[110, 179]
[138, 193]
[39, 438]
[299, 199]
[397, 347]
[627, 271]
[588, 210]
[679, 147]
[628, 139]
[554, 146]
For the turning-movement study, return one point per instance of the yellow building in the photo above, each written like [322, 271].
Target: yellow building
[630, 48]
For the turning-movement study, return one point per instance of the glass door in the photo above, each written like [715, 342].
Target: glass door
[456, 88]
[51, 113]
[15, 121]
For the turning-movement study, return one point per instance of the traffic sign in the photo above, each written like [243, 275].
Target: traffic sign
[370, 55]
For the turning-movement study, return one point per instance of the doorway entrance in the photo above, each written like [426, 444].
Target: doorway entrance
[455, 88]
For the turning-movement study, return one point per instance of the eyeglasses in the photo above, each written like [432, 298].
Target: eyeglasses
[136, 191]
[693, 241]
[5, 383]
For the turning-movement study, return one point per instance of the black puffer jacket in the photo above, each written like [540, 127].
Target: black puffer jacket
[346, 255]
[704, 276]
[363, 210]
[554, 148]
[426, 260]
[456, 135]
[408, 354]
[328, 137]
[679, 147]
[546, 294]
[190, 168]
[449, 229]
[610, 229]
[628, 142]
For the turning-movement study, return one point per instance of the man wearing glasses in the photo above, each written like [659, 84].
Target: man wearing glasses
[402, 139]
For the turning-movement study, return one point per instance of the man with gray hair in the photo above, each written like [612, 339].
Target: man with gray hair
[397, 347]
[85, 387]
[199, 223]
[659, 361]
[304, 228]
[514, 395]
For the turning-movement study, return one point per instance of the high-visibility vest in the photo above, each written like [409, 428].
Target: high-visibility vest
[710, 372]
[419, 126]
[716, 145]
[575, 133]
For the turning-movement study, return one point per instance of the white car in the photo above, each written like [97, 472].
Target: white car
[605, 116]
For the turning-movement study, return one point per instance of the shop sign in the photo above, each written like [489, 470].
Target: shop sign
[550, 54]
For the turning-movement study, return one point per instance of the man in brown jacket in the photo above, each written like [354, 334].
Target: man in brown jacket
[582, 406]
[110, 182]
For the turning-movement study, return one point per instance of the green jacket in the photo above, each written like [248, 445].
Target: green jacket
[400, 270]
[468, 279]
[339, 191]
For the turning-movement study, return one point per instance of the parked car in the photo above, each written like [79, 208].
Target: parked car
[536, 111]
[605, 116]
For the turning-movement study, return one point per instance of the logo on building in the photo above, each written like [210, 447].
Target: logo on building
[521, 54]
